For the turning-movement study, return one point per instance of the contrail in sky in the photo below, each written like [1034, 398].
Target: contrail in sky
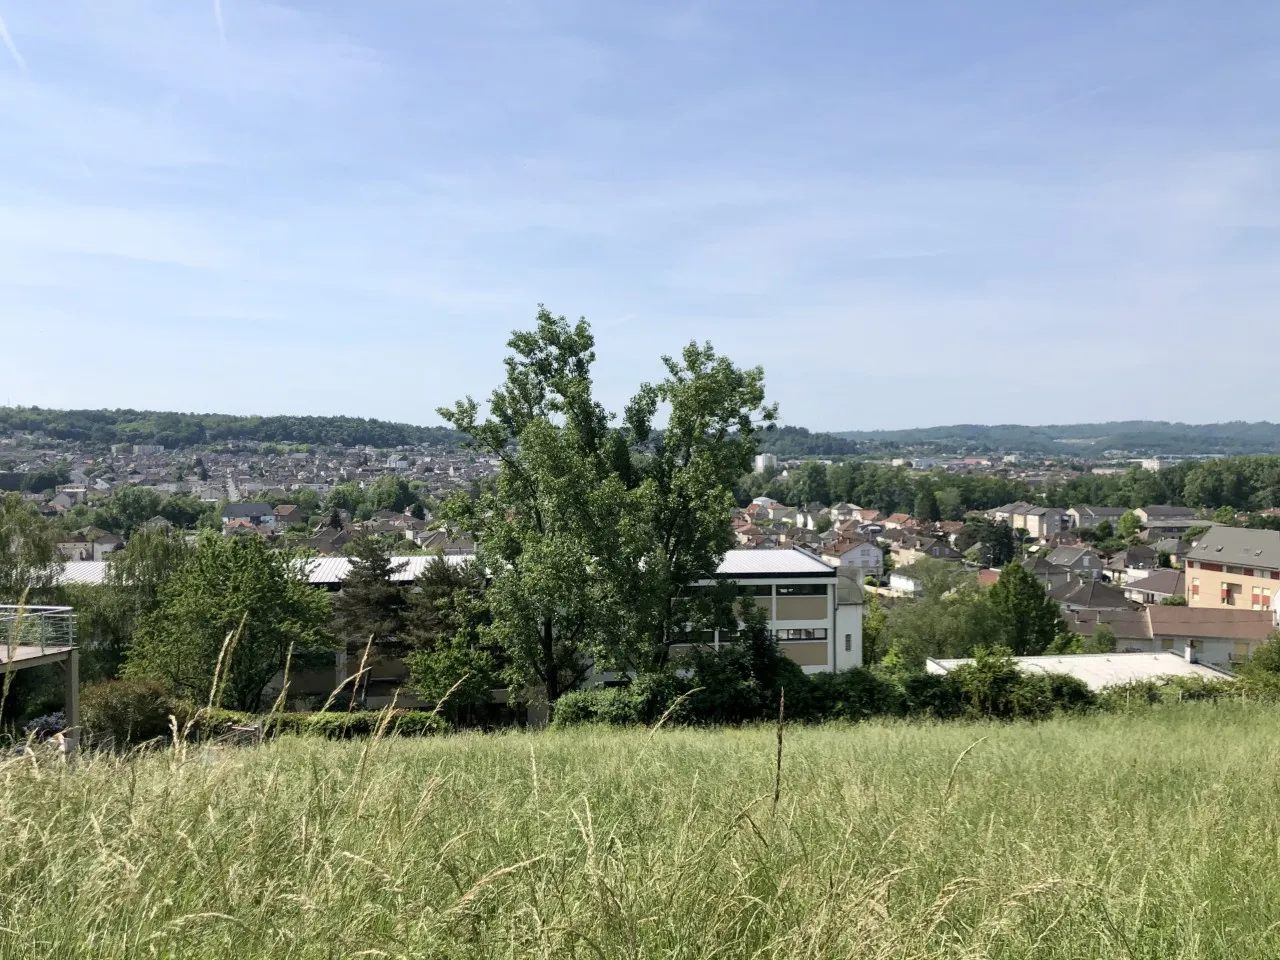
[8, 42]
[217, 16]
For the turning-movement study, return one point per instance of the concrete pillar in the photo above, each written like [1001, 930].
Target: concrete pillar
[71, 702]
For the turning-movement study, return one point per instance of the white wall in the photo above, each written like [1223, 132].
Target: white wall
[849, 621]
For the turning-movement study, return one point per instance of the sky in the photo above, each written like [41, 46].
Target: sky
[908, 213]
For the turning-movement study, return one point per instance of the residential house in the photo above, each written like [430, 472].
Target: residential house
[859, 558]
[88, 543]
[1081, 562]
[259, 514]
[1176, 549]
[1007, 513]
[912, 548]
[1157, 512]
[1049, 574]
[287, 514]
[1132, 563]
[1234, 567]
[898, 521]
[1218, 636]
[1041, 522]
[1157, 586]
[1087, 518]
[1090, 595]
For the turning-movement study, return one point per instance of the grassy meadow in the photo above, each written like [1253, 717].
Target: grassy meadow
[1149, 835]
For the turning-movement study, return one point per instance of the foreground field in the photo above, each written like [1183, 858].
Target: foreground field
[1150, 836]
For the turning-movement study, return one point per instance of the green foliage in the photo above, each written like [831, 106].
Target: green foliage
[29, 561]
[791, 442]
[370, 604]
[238, 594]
[643, 701]
[926, 505]
[127, 711]
[1129, 525]
[1177, 600]
[1029, 619]
[390, 493]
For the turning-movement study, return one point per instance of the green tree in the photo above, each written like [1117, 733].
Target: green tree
[129, 508]
[810, 485]
[345, 496]
[1029, 619]
[950, 504]
[236, 588]
[1104, 530]
[371, 605]
[539, 528]
[926, 507]
[390, 493]
[29, 561]
[1129, 525]
[1177, 600]
[445, 625]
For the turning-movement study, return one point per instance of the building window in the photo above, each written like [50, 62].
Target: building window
[848, 643]
[756, 590]
[802, 590]
[1195, 587]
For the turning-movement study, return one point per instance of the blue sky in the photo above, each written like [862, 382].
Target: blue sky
[910, 213]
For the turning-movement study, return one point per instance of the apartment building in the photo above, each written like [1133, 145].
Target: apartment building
[1234, 567]
[815, 614]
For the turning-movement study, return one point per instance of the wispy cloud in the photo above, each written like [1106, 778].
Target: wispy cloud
[7, 40]
[217, 18]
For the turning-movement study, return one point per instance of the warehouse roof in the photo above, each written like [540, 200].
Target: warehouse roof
[1100, 670]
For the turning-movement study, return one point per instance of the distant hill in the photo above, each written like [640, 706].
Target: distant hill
[1134, 437]
[799, 442]
[189, 429]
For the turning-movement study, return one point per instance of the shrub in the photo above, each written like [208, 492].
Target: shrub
[856, 694]
[643, 701]
[129, 710]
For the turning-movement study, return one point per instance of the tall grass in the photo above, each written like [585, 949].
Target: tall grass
[1151, 836]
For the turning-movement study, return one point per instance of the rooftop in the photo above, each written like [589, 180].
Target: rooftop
[789, 562]
[1100, 670]
[1236, 545]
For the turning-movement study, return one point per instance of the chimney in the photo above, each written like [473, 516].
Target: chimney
[1190, 651]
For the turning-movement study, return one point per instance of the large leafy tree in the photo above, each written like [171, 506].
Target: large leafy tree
[540, 527]
[29, 561]
[231, 587]
[680, 483]
[1029, 619]
[593, 534]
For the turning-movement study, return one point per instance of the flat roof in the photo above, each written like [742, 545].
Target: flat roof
[1100, 670]
[783, 562]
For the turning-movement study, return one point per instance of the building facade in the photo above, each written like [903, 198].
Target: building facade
[1235, 568]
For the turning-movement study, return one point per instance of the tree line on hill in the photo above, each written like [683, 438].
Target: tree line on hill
[1139, 437]
[1240, 483]
[174, 430]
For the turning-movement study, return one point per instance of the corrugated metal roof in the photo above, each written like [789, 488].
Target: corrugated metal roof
[82, 572]
[335, 569]
[791, 561]
[1099, 670]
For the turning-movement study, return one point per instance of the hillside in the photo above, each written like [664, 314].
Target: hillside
[1135, 437]
[189, 429]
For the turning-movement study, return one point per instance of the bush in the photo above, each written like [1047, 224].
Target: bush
[130, 710]
[643, 701]
[855, 694]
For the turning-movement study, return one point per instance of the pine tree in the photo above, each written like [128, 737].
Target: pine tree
[926, 508]
[371, 604]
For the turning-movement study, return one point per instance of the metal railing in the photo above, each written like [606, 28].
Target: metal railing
[48, 628]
